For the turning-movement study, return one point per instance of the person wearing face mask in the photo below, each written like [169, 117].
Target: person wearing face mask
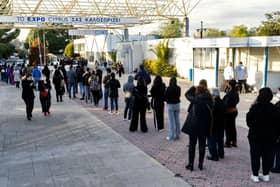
[28, 94]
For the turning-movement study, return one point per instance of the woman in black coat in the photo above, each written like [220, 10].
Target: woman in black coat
[231, 99]
[216, 138]
[45, 96]
[262, 120]
[140, 106]
[28, 94]
[198, 122]
[58, 81]
[157, 103]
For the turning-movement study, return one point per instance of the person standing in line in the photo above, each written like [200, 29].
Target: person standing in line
[86, 76]
[128, 88]
[157, 103]
[64, 73]
[17, 76]
[199, 121]
[12, 75]
[99, 73]
[120, 69]
[80, 72]
[276, 165]
[36, 75]
[46, 72]
[45, 96]
[72, 81]
[228, 75]
[106, 81]
[95, 87]
[28, 94]
[143, 73]
[241, 76]
[114, 85]
[231, 99]
[263, 122]
[58, 82]
[172, 97]
[216, 138]
[140, 106]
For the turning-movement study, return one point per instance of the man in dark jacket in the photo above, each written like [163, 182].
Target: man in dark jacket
[143, 73]
[114, 85]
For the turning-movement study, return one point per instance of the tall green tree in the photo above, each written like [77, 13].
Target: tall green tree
[6, 36]
[55, 38]
[69, 50]
[212, 32]
[271, 26]
[171, 29]
[239, 31]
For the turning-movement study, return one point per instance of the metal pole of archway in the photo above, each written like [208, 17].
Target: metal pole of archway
[39, 46]
[44, 40]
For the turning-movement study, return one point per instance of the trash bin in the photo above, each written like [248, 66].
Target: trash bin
[191, 74]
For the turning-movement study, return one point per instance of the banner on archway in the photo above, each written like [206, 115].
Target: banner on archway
[67, 20]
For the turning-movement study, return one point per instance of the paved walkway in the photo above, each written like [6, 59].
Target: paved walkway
[70, 148]
[232, 171]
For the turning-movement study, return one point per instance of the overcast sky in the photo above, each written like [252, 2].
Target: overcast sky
[224, 14]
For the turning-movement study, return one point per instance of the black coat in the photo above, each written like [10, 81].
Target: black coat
[200, 117]
[140, 97]
[263, 122]
[218, 115]
[231, 99]
[114, 85]
[27, 89]
[157, 93]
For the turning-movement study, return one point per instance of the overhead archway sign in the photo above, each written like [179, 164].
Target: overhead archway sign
[70, 20]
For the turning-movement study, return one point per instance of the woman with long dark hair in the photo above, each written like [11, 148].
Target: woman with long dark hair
[172, 98]
[231, 99]
[157, 103]
[199, 121]
[140, 106]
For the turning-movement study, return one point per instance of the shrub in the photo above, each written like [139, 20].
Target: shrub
[157, 67]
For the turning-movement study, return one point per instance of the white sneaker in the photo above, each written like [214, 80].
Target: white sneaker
[111, 112]
[255, 178]
[264, 178]
[167, 138]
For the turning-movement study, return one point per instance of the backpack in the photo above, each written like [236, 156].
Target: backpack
[94, 85]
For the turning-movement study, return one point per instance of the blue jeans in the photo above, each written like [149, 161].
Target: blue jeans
[128, 107]
[70, 86]
[106, 96]
[87, 93]
[174, 121]
[114, 101]
[216, 144]
[81, 86]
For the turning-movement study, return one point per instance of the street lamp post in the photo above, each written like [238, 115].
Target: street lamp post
[201, 30]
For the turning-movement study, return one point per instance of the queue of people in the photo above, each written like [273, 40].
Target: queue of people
[209, 116]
